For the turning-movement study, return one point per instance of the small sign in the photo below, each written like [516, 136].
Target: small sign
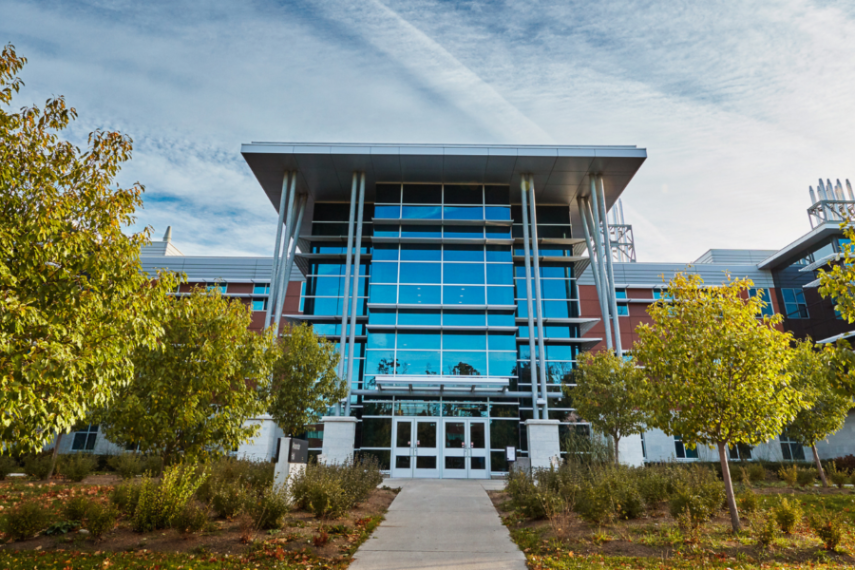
[510, 453]
[299, 452]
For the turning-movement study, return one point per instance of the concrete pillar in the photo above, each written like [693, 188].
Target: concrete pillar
[339, 436]
[630, 451]
[543, 444]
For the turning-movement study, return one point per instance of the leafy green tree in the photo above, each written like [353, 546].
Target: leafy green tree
[814, 373]
[609, 393]
[717, 372]
[838, 283]
[305, 383]
[74, 304]
[192, 394]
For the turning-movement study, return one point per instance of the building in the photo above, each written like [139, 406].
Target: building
[446, 274]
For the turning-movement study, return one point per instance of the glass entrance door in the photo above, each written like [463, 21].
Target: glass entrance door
[415, 448]
[464, 449]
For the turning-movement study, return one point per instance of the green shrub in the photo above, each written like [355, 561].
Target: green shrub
[229, 498]
[37, 466]
[331, 490]
[126, 496]
[764, 531]
[7, 465]
[268, 508]
[790, 474]
[160, 501]
[127, 465]
[564, 483]
[653, 485]
[806, 476]
[228, 471]
[153, 465]
[748, 501]
[27, 519]
[75, 508]
[192, 518]
[76, 466]
[531, 500]
[611, 493]
[836, 476]
[787, 514]
[698, 508]
[828, 527]
[100, 518]
[756, 472]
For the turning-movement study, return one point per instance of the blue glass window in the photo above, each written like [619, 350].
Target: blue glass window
[463, 253]
[499, 232]
[464, 232]
[456, 295]
[326, 286]
[385, 252]
[421, 272]
[768, 311]
[503, 341]
[556, 272]
[422, 213]
[794, 304]
[387, 211]
[381, 340]
[501, 319]
[386, 231]
[464, 341]
[464, 363]
[502, 363]
[497, 212]
[500, 274]
[420, 252]
[383, 294]
[555, 289]
[472, 273]
[261, 289]
[463, 213]
[259, 304]
[418, 340]
[381, 317]
[419, 318]
[380, 362]
[683, 452]
[324, 305]
[620, 294]
[221, 287]
[561, 352]
[463, 318]
[326, 329]
[499, 253]
[384, 272]
[421, 231]
[558, 310]
[500, 295]
[420, 295]
[418, 362]
[623, 310]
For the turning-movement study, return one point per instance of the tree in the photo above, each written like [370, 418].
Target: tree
[193, 393]
[305, 383]
[814, 372]
[716, 370]
[838, 284]
[74, 304]
[609, 394]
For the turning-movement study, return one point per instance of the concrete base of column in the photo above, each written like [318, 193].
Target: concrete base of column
[284, 471]
[544, 449]
[339, 437]
[630, 451]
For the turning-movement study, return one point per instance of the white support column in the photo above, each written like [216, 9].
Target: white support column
[532, 354]
[607, 243]
[348, 259]
[538, 298]
[601, 264]
[339, 437]
[276, 284]
[355, 292]
[285, 276]
[592, 255]
[275, 269]
[544, 446]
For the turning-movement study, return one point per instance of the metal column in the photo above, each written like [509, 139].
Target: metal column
[275, 271]
[592, 255]
[348, 260]
[276, 292]
[597, 267]
[532, 353]
[352, 340]
[607, 242]
[285, 276]
[601, 257]
[538, 298]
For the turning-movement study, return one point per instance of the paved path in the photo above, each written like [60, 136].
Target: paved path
[440, 524]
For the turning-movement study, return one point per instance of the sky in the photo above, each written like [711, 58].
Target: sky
[740, 105]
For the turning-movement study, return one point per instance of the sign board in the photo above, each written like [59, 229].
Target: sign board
[299, 452]
[510, 453]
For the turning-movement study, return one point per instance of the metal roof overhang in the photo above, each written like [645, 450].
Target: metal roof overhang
[561, 173]
[799, 247]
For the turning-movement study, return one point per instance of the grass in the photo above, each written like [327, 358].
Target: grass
[571, 561]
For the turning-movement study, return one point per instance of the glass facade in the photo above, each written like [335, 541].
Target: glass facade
[441, 292]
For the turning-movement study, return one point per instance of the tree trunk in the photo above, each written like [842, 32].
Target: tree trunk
[819, 466]
[728, 488]
[54, 455]
[617, 455]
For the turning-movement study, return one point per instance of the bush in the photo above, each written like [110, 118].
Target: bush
[828, 527]
[75, 508]
[76, 466]
[269, 508]
[806, 476]
[787, 514]
[748, 501]
[192, 518]
[127, 465]
[846, 463]
[696, 506]
[533, 501]
[234, 473]
[790, 475]
[612, 493]
[26, 520]
[160, 501]
[654, 485]
[7, 465]
[37, 466]
[331, 490]
[756, 472]
[764, 531]
[836, 476]
[100, 519]
[153, 465]
[229, 498]
[125, 497]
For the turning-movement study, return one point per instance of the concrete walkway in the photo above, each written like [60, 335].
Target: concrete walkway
[440, 524]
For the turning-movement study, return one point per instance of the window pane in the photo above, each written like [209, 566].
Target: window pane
[800, 296]
[556, 272]
[384, 272]
[463, 318]
[381, 317]
[464, 273]
[381, 340]
[420, 252]
[376, 432]
[463, 194]
[464, 232]
[386, 231]
[503, 341]
[421, 272]
[464, 341]
[261, 289]
[426, 435]
[382, 294]
[464, 363]
[379, 362]
[561, 352]
[324, 305]
[500, 295]
[499, 253]
[387, 211]
[789, 297]
[497, 213]
[500, 274]
[421, 231]
[558, 309]
[422, 194]
[497, 194]
[419, 318]
[422, 213]
[501, 319]
[418, 362]
[502, 363]
[385, 251]
[463, 213]
[498, 232]
[455, 437]
[259, 304]
[456, 295]
[418, 340]
[388, 193]
[555, 289]
[420, 295]
[463, 253]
